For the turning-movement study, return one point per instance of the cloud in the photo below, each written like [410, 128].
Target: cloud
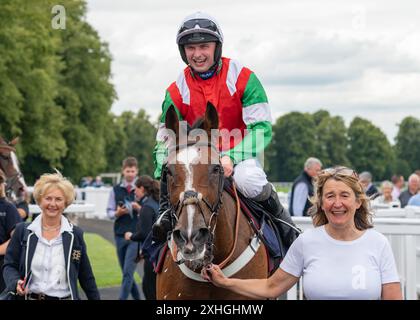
[358, 58]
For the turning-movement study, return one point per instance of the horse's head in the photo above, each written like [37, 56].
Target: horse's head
[15, 184]
[195, 183]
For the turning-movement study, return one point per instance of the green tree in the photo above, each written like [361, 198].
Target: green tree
[293, 142]
[320, 115]
[132, 135]
[369, 149]
[55, 91]
[331, 141]
[85, 94]
[407, 145]
[116, 144]
[29, 68]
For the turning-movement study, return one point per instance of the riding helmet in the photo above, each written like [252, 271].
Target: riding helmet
[198, 28]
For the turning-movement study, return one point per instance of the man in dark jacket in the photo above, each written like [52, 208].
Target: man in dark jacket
[413, 188]
[365, 179]
[303, 189]
[120, 209]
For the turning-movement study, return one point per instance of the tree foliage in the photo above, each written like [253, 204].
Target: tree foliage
[293, 142]
[331, 140]
[131, 135]
[369, 149]
[407, 147]
[56, 94]
[55, 89]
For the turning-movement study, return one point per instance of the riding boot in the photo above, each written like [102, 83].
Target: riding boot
[163, 224]
[269, 200]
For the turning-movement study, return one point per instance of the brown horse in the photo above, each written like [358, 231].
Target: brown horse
[210, 228]
[15, 184]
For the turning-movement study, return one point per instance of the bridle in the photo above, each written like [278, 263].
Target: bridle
[10, 180]
[192, 197]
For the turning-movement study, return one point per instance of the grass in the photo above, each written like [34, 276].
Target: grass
[282, 189]
[103, 258]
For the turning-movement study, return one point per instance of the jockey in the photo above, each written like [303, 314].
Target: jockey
[241, 103]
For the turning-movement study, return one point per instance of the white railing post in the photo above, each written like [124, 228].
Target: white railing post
[410, 267]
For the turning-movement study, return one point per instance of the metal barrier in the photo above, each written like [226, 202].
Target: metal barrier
[97, 196]
[402, 234]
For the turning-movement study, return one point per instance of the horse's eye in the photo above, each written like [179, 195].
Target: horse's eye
[217, 169]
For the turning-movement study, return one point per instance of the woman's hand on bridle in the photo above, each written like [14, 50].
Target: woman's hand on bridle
[214, 274]
[227, 165]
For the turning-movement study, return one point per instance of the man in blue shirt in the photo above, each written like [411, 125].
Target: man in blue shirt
[119, 208]
[302, 188]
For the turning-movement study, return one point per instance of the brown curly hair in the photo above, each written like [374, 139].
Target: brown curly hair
[362, 217]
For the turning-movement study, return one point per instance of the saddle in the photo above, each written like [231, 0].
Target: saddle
[263, 225]
[260, 221]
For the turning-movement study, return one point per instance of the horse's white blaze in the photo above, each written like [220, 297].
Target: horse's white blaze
[191, 213]
[15, 163]
[189, 156]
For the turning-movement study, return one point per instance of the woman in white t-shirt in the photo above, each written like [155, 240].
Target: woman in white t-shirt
[343, 257]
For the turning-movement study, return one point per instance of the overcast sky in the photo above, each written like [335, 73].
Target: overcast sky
[359, 58]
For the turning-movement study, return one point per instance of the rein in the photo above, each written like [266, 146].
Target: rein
[235, 241]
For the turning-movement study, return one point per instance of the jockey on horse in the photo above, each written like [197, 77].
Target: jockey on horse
[242, 107]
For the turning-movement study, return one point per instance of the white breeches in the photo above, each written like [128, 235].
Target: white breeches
[250, 178]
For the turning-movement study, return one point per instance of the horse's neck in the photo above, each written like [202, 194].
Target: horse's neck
[225, 230]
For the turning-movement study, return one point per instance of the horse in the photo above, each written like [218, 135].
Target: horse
[210, 226]
[15, 184]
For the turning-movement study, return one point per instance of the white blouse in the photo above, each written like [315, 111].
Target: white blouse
[49, 274]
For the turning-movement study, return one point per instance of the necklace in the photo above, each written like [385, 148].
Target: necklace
[51, 228]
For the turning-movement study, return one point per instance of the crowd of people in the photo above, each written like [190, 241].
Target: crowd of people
[391, 193]
[343, 257]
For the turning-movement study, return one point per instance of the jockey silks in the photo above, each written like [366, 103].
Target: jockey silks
[241, 104]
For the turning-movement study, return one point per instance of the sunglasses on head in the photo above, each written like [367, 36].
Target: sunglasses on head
[342, 171]
[202, 23]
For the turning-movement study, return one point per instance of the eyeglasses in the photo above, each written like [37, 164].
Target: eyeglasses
[340, 170]
[202, 23]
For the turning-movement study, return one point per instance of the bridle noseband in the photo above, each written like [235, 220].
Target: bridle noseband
[191, 197]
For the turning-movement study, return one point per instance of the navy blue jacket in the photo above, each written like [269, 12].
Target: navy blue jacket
[126, 222]
[306, 179]
[21, 249]
[147, 216]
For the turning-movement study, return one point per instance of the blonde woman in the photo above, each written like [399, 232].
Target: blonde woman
[45, 258]
[343, 257]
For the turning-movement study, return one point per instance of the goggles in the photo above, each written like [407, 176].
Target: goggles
[202, 23]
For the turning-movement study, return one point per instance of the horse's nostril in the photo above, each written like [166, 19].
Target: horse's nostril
[179, 237]
[201, 235]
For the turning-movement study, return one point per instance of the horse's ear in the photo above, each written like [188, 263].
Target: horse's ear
[2, 140]
[211, 119]
[14, 142]
[171, 120]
